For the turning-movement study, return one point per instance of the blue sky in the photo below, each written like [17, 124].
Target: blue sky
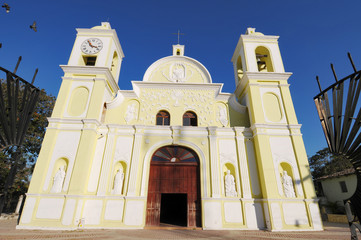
[312, 34]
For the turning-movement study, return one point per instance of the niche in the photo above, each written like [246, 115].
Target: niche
[229, 174]
[58, 175]
[287, 180]
[272, 107]
[119, 178]
[78, 101]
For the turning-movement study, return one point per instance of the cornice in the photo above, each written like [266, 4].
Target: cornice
[87, 70]
[276, 126]
[259, 38]
[273, 76]
[216, 87]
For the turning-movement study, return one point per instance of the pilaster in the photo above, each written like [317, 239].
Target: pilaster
[107, 160]
[84, 158]
[213, 150]
[242, 163]
[134, 173]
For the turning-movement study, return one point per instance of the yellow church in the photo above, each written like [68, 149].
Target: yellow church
[175, 150]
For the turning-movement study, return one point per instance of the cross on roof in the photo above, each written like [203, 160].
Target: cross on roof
[179, 33]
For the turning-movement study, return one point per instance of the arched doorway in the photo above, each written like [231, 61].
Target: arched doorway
[174, 188]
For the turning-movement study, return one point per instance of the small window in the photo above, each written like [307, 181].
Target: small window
[190, 119]
[90, 61]
[178, 52]
[163, 118]
[343, 186]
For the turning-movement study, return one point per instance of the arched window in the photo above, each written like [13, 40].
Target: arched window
[190, 119]
[163, 118]
[264, 63]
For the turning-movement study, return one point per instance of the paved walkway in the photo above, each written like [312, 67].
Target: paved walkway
[8, 232]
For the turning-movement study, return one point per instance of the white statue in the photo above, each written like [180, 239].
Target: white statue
[222, 116]
[288, 185]
[177, 96]
[58, 180]
[131, 113]
[118, 182]
[230, 185]
[178, 73]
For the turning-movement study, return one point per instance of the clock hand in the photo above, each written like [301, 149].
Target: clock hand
[90, 44]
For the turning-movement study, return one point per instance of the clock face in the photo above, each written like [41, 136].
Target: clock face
[91, 46]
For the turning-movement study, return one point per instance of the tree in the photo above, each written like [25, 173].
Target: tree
[324, 163]
[29, 151]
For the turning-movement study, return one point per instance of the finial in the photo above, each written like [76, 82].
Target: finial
[179, 33]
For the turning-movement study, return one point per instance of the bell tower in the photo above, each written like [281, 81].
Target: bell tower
[75, 127]
[262, 85]
[99, 47]
[91, 75]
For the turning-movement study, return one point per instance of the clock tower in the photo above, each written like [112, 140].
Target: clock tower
[74, 133]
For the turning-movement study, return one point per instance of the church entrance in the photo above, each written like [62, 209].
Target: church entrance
[174, 188]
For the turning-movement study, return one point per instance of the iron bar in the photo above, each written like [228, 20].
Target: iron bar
[318, 82]
[36, 72]
[334, 73]
[17, 103]
[342, 127]
[17, 65]
[351, 60]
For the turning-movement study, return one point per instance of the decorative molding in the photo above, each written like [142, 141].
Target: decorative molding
[203, 71]
[87, 70]
[119, 98]
[236, 105]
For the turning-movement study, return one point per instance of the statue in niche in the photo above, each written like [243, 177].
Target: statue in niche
[288, 185]
[118, 182]
[230, 185]
[131, 113]
[222, 115]
[58, 180]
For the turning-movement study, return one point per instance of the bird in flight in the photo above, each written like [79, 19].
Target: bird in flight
[7, 7]
[33, 26]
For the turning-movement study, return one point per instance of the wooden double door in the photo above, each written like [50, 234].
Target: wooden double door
[174, 188]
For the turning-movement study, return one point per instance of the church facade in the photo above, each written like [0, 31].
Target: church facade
[175, 150]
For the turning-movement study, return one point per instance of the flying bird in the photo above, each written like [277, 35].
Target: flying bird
[33, 26]
[7, 7]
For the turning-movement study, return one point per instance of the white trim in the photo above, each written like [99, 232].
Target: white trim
[216, 87]
[266, 76]
[252, 38]
[236, 105]
[90, 70]
[207, 77]
[152, 149]
[119, 98]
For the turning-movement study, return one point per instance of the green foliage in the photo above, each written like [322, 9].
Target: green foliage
[325, 163]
